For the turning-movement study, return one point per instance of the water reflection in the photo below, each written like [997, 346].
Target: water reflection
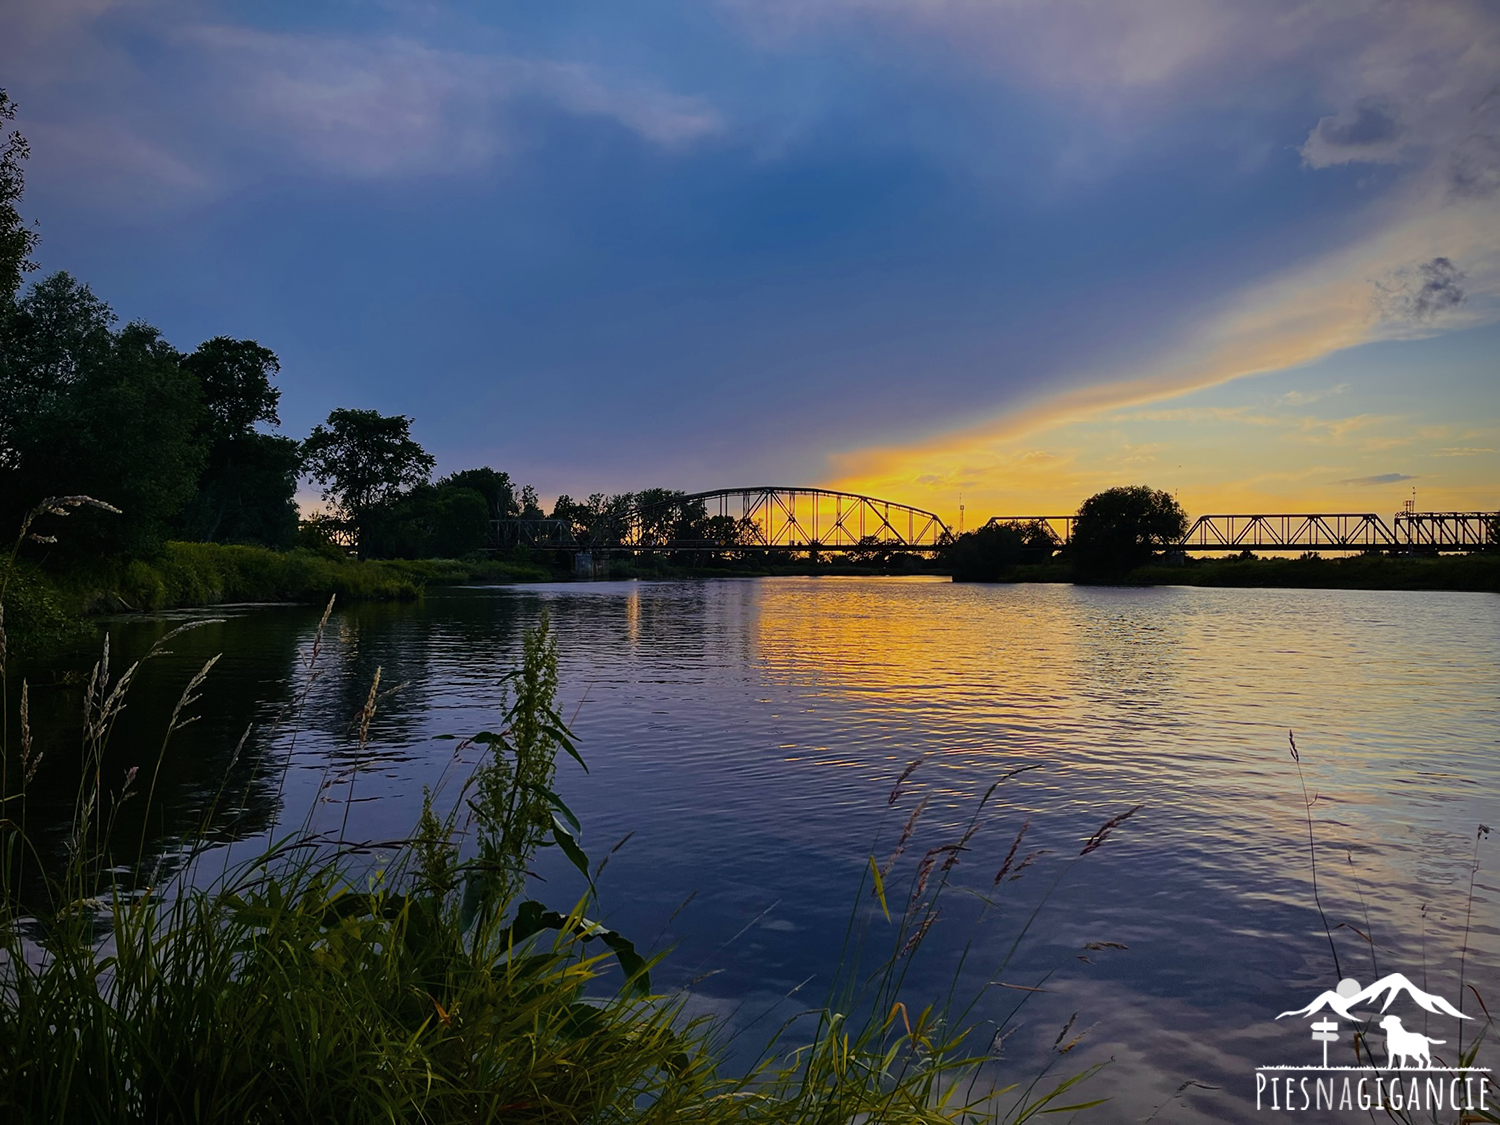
[748, 732]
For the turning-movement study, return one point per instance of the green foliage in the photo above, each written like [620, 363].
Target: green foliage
[431, 521]
[90, 410]
[17, 240]
[365, 461]
[247, 488]
[496, 488]
[1119, 529]
[33, 612]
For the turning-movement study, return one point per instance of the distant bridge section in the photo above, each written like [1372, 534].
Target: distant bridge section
[1058, 529]
[758, 519]
[1317, 531]
[779, 518]
[1449, 531]
[1337, 531]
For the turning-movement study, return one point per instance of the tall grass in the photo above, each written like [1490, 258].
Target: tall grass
[1364, 1049]
[329, 979]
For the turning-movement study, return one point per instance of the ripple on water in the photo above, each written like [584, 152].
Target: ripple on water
[749, 733]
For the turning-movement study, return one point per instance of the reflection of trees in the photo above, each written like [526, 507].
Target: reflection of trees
[360, 639]
[211, 782]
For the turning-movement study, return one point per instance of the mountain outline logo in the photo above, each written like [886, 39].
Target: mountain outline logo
[1409, 1077]
[1349, 995]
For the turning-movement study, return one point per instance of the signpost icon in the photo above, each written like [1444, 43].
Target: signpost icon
[1326, 1032]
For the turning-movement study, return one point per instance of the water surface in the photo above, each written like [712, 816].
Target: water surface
[748, 733]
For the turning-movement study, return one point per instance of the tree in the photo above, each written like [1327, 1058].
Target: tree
[496, 488]
[17, 240]
[235, 376]
[986, 553]
[1120, 528]
[430, 521]
[460, 522]
[248, 487]
[88, 409]
[365, 460]
[531, 504]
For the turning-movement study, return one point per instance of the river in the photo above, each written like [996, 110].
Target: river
[749, 733]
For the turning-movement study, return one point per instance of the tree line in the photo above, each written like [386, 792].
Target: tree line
[187, 444]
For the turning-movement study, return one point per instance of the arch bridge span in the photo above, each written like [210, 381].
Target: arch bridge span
[783, 518]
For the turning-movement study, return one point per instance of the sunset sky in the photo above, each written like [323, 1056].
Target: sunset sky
[1014, 250]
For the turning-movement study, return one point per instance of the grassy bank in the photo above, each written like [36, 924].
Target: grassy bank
[1361, 572]
[45, 607]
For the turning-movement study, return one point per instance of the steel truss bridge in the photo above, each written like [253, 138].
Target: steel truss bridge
[1337, 531]
[759, 519]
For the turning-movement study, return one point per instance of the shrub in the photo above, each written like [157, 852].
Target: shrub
[1119, 529]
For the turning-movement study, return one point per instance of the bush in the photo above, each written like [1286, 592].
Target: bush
[991, 552]
[1121, 528]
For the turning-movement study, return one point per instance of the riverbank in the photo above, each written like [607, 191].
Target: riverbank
[44, 608]
[1476, 572]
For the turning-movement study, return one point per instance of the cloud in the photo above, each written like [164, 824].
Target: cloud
[375, 107]
[1461, 451]
[133, 168]
[160, 106]
[1369, 131]
[1381, 478]
[1304, 398]
[1422, 292]
[1474, 166]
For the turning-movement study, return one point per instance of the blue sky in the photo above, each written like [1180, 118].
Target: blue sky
[1008, 249]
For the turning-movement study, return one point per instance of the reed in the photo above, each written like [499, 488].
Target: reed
[1467, 1055]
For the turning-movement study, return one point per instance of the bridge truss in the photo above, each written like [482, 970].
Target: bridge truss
[1338, 531]
[772, 518]
[1448, 531]
[1058, 529]
[1334, 531]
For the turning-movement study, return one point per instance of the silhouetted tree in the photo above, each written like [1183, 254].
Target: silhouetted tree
[531, 505]
[986, 553]
[88, 409]
[1120, 528]
[496, 488]
[430, 521]
[248, 487]
[17, 239]
[365, 460]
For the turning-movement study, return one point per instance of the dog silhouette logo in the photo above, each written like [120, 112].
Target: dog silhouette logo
[1412, 1048]
[1411, 1078]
